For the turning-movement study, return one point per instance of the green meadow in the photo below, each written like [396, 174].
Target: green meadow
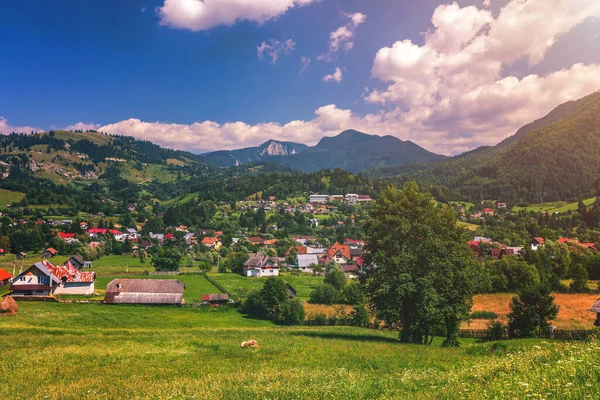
[94, 351]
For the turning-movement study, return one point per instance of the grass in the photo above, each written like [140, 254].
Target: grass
[555, 207]
[241, 285]
[471, 227]
[7, 197]
[89, 351]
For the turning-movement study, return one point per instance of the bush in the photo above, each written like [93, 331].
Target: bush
[496, 330]
[352, 294]
[484, 315]
[531, 312]
[320, 319]
[291, 312]
[337, 278]
[324, 294]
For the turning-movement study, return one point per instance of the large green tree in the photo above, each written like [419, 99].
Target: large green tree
[423, 276]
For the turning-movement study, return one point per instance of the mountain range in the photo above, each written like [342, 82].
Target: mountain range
[350, 150]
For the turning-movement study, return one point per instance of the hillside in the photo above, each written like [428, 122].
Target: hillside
[355, 151]
[556, 158]
[262, 153]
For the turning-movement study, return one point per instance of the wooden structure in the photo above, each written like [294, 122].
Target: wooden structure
[215, 300]
[596, 308]
[144, 291]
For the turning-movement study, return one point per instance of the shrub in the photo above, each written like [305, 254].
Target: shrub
[337, 278]
[496, 330]
[484, 315]
[531, 312]
[352, 294]
[291, 312]
[320, 319]
[324, 294]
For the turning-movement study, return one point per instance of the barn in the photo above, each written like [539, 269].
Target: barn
[144, 291]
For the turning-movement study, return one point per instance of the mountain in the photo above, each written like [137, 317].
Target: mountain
[350, 150]
[554, 158]
[262, 153]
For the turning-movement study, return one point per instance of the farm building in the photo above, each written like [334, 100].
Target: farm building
[44, 279]
[49, 252]
[144, 291]
[215, 300]
[5, 278]
[79, 262]
[596, 308]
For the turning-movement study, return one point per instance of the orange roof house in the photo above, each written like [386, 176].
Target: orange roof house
[339, 252]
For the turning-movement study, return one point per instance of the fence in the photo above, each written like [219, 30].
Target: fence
[218, 285]
[562, 334]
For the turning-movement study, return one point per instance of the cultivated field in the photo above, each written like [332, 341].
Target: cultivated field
[91, 351]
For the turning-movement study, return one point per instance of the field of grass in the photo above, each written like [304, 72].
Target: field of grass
[90, 351]
[554, 207]
[7, 197]
[573, 314]
[241, 285]
[471, 227]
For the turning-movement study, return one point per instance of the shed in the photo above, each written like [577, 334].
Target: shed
[144, 291]
[596, 308]
[215, 300]
[77, 261]
[5, 277]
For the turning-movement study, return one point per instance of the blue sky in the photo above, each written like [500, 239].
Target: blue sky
[192, 78]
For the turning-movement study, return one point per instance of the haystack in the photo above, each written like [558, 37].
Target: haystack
[8, 306]
[253, 344]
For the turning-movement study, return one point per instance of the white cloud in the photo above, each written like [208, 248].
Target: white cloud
[82, 126]
[453, 87]
[487, 3]
[274, 48]
[6, 129]
[143, 10]
[343, 37]
[335, 77]
[305, 61]
[199, 15]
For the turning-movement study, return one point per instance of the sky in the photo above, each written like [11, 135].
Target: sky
[204, 75]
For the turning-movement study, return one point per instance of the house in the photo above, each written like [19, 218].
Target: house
[259, 265]
[488, 211]
[314, 222]
[318, 198]
[305, 262]
[144, 291]
[351, 198]
[212, 242]
[5, 278]
[215, 300]
[256, 240]
[49, 252]
[118, 235]
[2, 252]
[132, 234]
[351, 271]
[181, 228]
[190, 239]
[157, 236]
[596, 308]
[66, 236]
[93, 233]
[43, 279]
[537, 242]
[482, 239]
[304, 239]
[84, 226]
[79, 262]
[340, 253]
[501, 205]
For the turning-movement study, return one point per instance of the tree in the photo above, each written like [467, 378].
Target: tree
[291, 312]
[425, 276]
[336, 277]
[352, 294]
[167, 259]
[267, 302]
[235, 262]
[579, 276]
[531, 311]
[324, 294]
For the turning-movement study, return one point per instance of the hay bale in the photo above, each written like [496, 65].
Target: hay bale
[252, 344]
[8, 306]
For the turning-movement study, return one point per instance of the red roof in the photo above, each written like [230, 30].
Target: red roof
[69, 272]
[210, 240]
[341, 248]
[488, 211]
[4, 275]
[97, 230]
[51, 250]
[567, 240]
[115, 232]
[66, 235]
[539, 240]
[589, 245]
[168, 236]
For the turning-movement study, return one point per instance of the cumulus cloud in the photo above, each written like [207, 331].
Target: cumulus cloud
[273, 49]
[305, 61]
[335, 77]
[82, 126]
[6, 129]
[199, 15]
[453, 86]
[342, 39]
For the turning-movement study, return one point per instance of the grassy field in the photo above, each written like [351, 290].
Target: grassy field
[471, 227]
[554, 207]
[89, 351]
[7, 197]
[241, 285]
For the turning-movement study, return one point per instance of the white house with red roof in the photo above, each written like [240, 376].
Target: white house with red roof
[44, 279]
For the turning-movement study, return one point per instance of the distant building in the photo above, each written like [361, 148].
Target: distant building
[537, 242]
[318, 198]
[259, 265]
[144, 291]
[5, 278]
[44, 279]
[304, 262]
[49, 252]
[215, 300]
